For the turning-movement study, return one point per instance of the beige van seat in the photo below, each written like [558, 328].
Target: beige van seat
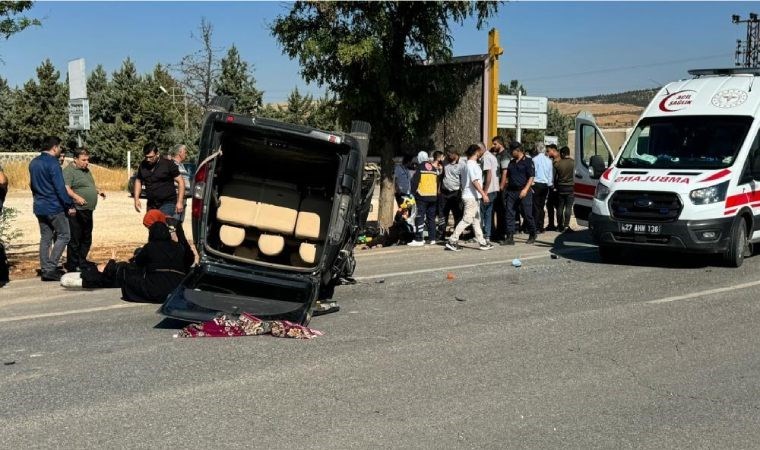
[313, 218]
[239, 202]
[231, 236]
[308, 252]
[271, 244]
[278, 208]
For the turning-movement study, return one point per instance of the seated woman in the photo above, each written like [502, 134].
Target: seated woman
[156, 269]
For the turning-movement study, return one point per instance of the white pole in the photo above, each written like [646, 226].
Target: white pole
[518, 135]
[129, 164]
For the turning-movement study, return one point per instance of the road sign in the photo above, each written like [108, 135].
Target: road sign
[79, 114]
[508, 103]
[527, 121]
[77, 79]
[551, 140]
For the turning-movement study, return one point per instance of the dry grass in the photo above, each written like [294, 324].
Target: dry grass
[612, 115]
[105, 179]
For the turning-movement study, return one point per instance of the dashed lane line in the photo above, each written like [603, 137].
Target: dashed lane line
[698, 294]
[73, 311]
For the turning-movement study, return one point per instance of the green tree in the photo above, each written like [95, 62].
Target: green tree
[371, 55]
[11, 20]
[40, 109]
[325, 115]
[6, 115]
[236, 81]
[200, 68]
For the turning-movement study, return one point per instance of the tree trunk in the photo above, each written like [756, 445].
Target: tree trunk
[387, 207]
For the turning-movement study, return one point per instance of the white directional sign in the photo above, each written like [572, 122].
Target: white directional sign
[79, 106]
[79, 114]
[532, 112]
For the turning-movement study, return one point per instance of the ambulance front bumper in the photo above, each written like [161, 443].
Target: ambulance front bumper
[694, 236]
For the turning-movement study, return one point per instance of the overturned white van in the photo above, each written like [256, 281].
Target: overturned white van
[688, 177]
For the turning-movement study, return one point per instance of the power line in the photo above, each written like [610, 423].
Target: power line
[617, 69]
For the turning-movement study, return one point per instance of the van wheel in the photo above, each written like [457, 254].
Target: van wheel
[609, 254]
[738, 246]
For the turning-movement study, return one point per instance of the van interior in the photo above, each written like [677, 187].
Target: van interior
[272, 199]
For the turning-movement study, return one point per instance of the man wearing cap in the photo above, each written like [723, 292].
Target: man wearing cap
[519, 180]
[425, 190]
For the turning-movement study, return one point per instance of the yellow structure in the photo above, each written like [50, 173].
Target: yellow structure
[494, 51]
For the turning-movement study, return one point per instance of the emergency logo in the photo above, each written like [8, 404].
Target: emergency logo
[677, 101]
[652, 179]
[729, 98]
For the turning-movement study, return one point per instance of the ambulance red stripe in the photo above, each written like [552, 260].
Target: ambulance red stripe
[717, 175]
[584, 189]
[742, 199]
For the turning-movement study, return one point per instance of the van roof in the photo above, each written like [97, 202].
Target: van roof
[730, 92]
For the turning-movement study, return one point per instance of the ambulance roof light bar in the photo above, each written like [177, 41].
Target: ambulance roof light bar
[727, 71]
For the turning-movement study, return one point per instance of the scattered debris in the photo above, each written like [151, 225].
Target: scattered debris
[450, 276]
[516, 262]
[381, 281]
[554, 256]
[9, 363]
[460, 299]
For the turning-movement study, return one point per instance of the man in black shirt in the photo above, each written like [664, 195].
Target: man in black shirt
[520, 175]
[159, 175]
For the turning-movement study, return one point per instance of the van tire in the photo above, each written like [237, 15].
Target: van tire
[609, 254]
[737, 245]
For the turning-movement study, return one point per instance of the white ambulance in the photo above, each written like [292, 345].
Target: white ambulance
[686, 179]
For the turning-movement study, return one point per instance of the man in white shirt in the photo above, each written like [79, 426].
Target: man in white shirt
[541, 185]
[472, 193]
[491, 186]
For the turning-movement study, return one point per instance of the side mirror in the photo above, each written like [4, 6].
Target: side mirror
[597, 166]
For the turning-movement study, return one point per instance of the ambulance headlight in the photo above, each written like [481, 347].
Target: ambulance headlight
[601, 192]
[710, 194]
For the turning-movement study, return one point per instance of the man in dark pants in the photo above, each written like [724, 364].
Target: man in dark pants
[159, 175]
[450, 188]
[565, 189]
[425, 190]
[499, 233]
[553, 198]
[543, 183]
[520, 176]
[51, 205]
[81, 187]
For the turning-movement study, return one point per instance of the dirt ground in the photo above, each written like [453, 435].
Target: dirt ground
[117, 227]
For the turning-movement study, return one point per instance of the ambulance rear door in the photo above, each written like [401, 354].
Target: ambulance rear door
[592, 158]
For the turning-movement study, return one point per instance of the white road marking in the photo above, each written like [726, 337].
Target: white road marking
[704, 293]
[73, 311]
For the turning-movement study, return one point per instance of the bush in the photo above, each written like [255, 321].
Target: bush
[8, 233]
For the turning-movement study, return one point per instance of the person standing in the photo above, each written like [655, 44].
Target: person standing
[552, 198]
[451, 188]
[51, 205]
[179, 155]
[543, 183]
[4, 269]
[159, 175]
[472, 192]
[565, 189]
[499, 150]
[425, 189]
[402, 181]
[520, 177]
[80, 186]
[491, 186]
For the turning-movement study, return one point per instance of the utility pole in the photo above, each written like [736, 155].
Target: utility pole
[748, 51]
[494, 51]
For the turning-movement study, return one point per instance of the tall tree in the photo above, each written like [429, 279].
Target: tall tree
[11, 20]
[370, 54]
[200, 68]
[40, 109]
[6, 115]
[236, 81]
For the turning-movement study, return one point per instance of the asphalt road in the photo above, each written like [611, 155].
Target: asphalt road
[560, 353]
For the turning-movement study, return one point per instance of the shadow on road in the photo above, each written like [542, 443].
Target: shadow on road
[568, 244]
[171, 324]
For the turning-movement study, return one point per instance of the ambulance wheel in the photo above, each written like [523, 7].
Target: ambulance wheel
[738, 246]
[609, 254]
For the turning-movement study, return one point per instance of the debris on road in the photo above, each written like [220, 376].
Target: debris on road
[516, 262]
[380, 281]
[450, 276]
[9, 363]
[247, 325]
[460, 299]
[554, 256]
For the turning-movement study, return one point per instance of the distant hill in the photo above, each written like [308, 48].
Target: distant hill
[640, 98]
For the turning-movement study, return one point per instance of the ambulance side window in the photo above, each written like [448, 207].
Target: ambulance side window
[752, 168]
[592, 144]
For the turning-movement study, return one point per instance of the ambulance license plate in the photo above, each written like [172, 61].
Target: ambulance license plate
[640, 228]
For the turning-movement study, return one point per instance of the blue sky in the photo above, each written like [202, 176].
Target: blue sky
[557, 49]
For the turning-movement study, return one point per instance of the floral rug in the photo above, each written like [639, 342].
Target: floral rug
[247, 325]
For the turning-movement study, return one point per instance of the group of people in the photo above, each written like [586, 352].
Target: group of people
[64, 200]
[497, 192]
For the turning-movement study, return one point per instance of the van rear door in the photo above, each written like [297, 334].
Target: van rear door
[592, 157]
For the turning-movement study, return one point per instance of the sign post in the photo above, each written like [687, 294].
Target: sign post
[79, 105]
[518, 111]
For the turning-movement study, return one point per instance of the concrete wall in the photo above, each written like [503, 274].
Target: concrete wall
[6, 157]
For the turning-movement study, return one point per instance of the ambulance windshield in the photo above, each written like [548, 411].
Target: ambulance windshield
[687, 142]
